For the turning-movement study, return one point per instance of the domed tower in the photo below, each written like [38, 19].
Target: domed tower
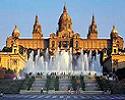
[15, 35]
[16, 32]
[114, 33]
[65, 24]
[92, 32]
[37, 31]
[114, 40]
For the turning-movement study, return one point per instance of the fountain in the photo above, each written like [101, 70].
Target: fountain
[64, 62]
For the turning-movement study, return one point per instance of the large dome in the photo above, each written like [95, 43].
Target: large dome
[114, 32]
[65, 16]
[64, 20]
[16, 32]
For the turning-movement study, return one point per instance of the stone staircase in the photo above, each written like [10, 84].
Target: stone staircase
[38, 84]
[91, 86]
[52, 85]
[90, 83]
[64, 83]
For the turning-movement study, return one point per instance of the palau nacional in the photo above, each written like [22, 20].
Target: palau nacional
[15, 54]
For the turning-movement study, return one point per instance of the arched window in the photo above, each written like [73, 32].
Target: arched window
[65, 44]
[77, 44]
[53, 44]
[15, 50]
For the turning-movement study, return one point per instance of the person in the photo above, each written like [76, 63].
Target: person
[41, 90]
[1, 94]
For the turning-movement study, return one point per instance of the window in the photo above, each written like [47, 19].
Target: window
[77, 44]
[14, 50]
[69, 26]
[114, 50]
[53, 44]
[15, 61]
[65, 44]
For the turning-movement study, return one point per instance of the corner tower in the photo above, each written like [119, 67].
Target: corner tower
[114, 40]
[37, 31]
[92, 32]
[16, 32]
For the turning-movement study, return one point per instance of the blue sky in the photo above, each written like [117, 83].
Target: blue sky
[22, 14]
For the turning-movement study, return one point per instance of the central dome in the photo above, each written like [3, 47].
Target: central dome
[65, 21]
[64, 17]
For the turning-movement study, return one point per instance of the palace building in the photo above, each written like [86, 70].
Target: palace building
[65, 38]
[14, 60]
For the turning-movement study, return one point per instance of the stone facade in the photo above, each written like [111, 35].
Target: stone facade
[118, 61]
[66, 39]
[114, 62]
[13, 60]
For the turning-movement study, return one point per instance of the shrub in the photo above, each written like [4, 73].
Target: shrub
[82, 82]
[104, 84]
[118, 87]
[56, 83]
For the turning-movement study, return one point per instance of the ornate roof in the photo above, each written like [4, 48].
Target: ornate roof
[64, 19]
[16, 29]
[16, 32]
[37, 27]
[114, 30]
[93, 26]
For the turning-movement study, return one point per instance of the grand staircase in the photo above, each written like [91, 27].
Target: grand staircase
[52, 84]
[64, 83]
[91, 85]
[36, 87]
[38, 84]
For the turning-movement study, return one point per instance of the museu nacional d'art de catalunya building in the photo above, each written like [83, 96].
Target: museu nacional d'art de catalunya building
[66, 39]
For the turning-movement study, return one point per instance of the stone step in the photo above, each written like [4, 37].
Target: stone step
[37, 88]
[39, 81]
[30, 92]
[90, 84]
[92, 92]
[38, 84]
[91, 89]
[60, 92]
[64, 84]
[90, 80]
[41, 85]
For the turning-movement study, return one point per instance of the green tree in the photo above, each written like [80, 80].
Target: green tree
[47, 82]
[73, 81]
[7, 49]
[56, 83]
[82, 82]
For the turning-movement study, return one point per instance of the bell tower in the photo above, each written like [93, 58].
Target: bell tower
[114, 39]
[16, 32]
[92, 32]
[37, 31]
